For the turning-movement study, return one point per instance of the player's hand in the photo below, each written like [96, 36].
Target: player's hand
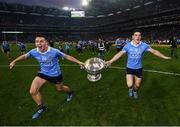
[82, 66]
[107, 64]
[168, 58]
[11, 65]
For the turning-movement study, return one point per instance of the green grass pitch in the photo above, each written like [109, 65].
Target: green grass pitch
[102, 103]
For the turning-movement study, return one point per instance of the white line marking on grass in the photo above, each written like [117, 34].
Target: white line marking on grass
[152, 71]
[113, 67]
[162, 72]
[36, 65]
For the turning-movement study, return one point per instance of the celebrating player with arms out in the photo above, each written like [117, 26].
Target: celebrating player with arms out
[50, 70]
[135, 50]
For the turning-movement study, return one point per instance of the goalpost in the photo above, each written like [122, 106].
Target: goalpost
[12, 36]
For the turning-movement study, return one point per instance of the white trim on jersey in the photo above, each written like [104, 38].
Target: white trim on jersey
[136, 45]
[44, 52]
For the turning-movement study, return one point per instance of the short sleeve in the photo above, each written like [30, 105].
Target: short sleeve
[125, 48]
[30, 53]
[60, 54]
[147, 47]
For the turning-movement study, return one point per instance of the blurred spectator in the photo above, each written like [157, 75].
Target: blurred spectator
[173, 42]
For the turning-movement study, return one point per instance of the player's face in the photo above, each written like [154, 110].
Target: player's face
[137, 36]
[41, 44]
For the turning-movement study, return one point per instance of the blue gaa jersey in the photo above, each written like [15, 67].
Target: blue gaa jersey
[118, 43]
[135, 54]
[22, 46]
[48, 61]
[78, 46]
[5, 45]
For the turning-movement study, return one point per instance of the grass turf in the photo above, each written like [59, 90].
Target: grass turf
[102, 103]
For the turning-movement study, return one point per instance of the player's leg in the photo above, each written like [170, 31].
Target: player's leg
[172, 51]
[79, 51]
[138, 79]
[8, 55]
[34, 90]
[129, 80]
[175, 52]
[37, 83]
[99, 54]
[102, 55]
[136, 86]
[68, 51]
[63, 88]
[137, 83]
[22, 52]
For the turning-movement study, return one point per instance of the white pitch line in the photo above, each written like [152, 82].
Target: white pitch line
[152, 71]
[113, 67]
[36, 65]
[162, 72]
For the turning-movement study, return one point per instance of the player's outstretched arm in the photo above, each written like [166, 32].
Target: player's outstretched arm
[157, 53]
[70, 58]
[22, 57]
[115, 57]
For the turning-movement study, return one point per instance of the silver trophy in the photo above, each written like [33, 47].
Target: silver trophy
[94, 66]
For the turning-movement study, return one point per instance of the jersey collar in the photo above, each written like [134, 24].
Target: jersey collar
[136, 45]
[44, 52]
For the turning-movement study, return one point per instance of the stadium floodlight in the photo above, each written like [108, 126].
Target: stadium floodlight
[110, 14]
[66, 8]
[118, 12]
[12, 32]
[148, 3]
[77, 14]
[85, 2]
[72, 9]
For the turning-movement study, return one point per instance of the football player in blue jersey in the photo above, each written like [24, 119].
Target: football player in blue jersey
[50, 70]
[22, 47]
[135, 51]
[119, 44]
[5, 47]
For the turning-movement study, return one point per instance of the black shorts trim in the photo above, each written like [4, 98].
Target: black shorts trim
[24, 50]
[55, 80]
[6, 50]
[101, 51]
[136, 72]
[119, 49]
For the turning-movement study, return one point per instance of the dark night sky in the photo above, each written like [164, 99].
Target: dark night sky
[48, 3]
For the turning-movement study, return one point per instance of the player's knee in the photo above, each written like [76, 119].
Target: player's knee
[33, 92]
[60, 88]
[137, 85]
[129, 84]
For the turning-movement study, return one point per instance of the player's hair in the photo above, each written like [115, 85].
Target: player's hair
[136, 30]
[41, 35]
